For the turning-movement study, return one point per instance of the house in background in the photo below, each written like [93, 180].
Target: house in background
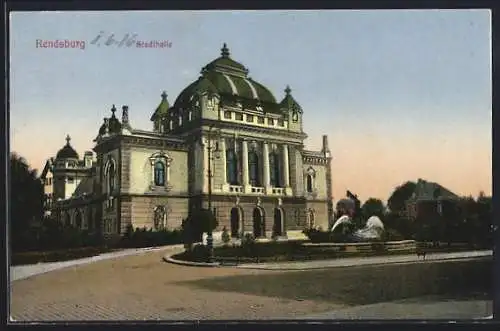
[431, 200]
[65, 176]
[47, 178]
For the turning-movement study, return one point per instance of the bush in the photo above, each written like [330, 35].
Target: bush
[199, 253]
[318, 236]
[52, 235]
[149, 238]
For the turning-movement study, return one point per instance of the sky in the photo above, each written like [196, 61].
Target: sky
[401, 94]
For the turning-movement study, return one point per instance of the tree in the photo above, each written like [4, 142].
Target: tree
[26, 199]
[373, 207]
[397, 200]
[485, 219]
[198, 222]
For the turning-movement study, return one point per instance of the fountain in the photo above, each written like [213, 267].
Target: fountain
[349, 207]
[373, 230]
[342, 220]
[349, 235]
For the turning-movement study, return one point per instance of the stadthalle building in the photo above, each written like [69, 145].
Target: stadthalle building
[225, 124]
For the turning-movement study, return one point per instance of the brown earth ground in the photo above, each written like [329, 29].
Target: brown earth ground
[144, 288]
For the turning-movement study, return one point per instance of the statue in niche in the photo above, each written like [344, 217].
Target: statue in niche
[159, 218]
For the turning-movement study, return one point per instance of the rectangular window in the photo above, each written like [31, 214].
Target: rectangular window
[270, 121]
[281, 122]
[227, 115]
[71, 180]
[238, 116]
[260, 120]
[250, 118]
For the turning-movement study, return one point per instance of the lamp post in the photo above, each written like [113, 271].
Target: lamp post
[212, 152]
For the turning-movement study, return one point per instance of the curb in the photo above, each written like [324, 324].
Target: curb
[257, 267]
[169, 259]
[24, 271]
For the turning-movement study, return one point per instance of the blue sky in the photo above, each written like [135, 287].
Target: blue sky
[401, 94]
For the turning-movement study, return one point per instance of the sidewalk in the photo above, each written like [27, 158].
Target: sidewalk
[356, 261]
[25, 271]
[415, 308]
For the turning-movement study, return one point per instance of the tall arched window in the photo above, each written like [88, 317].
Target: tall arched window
[274, 168]
[159, 173]
[111, 177]
[309, 183]
[78, 219]
[231, 167]
[253, 167]
[67, 220]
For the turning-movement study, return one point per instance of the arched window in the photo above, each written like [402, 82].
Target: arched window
[274, 168]
[159, 173]
[67, 220]
[111, 177]
[310, 175]
[309, 183]
[78, 219]
[253, 167]
[231, 167]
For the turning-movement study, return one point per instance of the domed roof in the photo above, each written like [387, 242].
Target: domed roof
[113, 123]
[67, 152]
[162, 108]
[229, 79]
[289, 102]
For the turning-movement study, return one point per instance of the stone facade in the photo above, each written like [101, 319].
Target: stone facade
[226, 143]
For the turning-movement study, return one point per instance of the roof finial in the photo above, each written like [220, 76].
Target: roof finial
[113, 109]
[164, 95]
[224, 51]
[288, 90]
[68, 138]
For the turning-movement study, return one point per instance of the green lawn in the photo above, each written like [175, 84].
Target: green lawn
[363, 284]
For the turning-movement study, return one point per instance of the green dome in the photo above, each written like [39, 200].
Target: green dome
[289, 102]
[162, 108]
[67, 152]
[229, 79]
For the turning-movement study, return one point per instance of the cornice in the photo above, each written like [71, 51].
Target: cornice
[309, 159]
[246, 129]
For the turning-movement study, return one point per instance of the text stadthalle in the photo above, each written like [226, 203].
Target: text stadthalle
[154, 44]
[60, 43]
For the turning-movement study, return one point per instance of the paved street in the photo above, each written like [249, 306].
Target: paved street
[142, 287]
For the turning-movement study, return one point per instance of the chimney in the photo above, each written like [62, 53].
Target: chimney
[325, 150]
[125, 116]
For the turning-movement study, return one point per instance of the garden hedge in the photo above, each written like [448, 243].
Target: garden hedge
[26, 258]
